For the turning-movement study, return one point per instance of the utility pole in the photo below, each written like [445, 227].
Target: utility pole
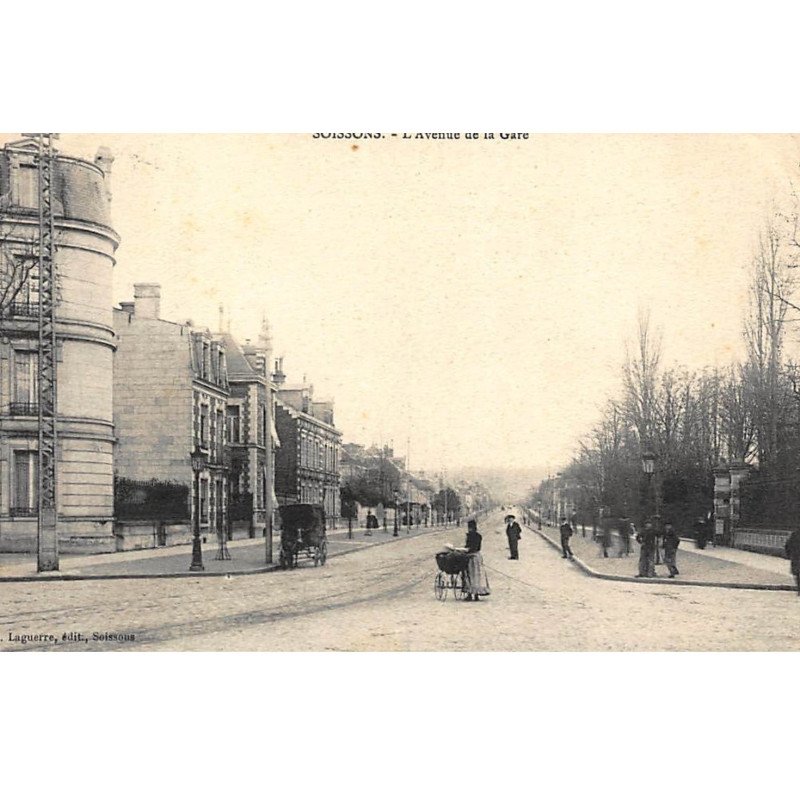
[47, 512]
[408, 486]
[445, 498]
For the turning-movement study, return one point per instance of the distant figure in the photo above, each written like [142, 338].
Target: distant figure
[647, 552]
[475, 581]
[514, 534]
[671, 542]
[566, 533]
[701, 532]
[624, 537]
[793, 552]
[605, 537]
[574, 522]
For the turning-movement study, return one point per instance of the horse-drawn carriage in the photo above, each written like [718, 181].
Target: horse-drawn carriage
[302, 533]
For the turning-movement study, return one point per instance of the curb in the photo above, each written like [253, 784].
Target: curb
[766, 587]
[162, 575]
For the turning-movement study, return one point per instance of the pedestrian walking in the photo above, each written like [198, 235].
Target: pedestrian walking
[671, 542]
[476, 582]
[647, 551]
[566, 533]
[624, 537]
[793, 552]
[513, 534]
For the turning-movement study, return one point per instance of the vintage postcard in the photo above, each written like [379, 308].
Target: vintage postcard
[399, 391]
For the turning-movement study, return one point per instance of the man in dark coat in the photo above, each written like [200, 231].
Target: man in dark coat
[671, 542]
[514, 534]
[566, 533]
[701, 532]
[624, 537]
[793, 553]
[647, 553]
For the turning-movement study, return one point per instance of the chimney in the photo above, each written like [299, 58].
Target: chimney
[278, 378]
[128, 306]
[105, 160]
[148, 300]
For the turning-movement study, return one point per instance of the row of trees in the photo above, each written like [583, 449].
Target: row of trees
[693, 420]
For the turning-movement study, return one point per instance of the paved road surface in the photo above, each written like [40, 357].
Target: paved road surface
[381, 598]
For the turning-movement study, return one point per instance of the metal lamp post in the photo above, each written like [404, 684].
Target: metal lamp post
[649, 459]
[396, 495]
[199, 460]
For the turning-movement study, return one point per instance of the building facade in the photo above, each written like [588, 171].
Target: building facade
[171, 393]
[307, 460]
[85, 243]
[251, 436]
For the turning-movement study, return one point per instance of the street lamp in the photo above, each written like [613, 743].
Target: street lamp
[396, 495]
[649, 459]
[199, 460]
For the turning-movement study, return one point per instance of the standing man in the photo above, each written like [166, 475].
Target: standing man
[514, 534]
[647, 552]
[793, 552]
[671, 542]
[624, 537]
[566, 533]
[574, 522]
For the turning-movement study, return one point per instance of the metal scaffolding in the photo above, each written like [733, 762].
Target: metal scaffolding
[47, 515]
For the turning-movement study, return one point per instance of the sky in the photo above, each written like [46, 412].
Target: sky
[467, 301]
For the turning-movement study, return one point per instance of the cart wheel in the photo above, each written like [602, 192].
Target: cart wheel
[323, 553]
[439, 587]
[459, 589]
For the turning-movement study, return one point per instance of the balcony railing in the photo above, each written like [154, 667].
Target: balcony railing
[24, 409]
[18, 309]
[23, 511]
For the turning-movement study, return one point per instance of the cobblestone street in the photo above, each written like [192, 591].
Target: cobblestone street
[381, 599]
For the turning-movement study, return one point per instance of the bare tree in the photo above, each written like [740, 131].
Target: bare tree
[771, 284]
[640, 375]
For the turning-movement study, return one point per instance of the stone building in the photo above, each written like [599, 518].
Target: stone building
[251, 434]
[170, 395]
[307, 460]
[84, 259]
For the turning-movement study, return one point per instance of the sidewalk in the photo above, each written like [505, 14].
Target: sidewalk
[715, 566]
[248, 556]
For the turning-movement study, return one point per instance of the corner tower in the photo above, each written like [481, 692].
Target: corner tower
[85, 244]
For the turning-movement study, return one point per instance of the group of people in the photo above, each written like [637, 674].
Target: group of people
[476, 583]
[475, 580]
[648, 541]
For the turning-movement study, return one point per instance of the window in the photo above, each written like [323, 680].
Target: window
[204, 500]
[205, 365]
[203, 426]
[220, 434]
[28, 186]
[234, 424]
[26, 369]
[262, 423]
[26, 471]
[19, 282]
